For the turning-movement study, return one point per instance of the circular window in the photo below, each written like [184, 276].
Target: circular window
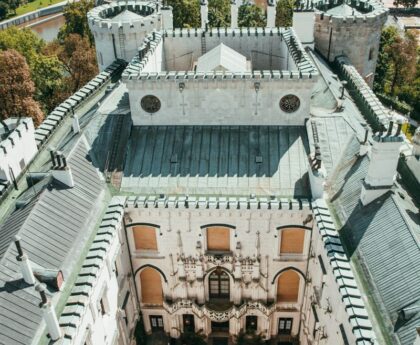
[289, 103]
[150, 104]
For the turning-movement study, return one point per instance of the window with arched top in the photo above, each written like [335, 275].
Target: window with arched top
[288, 286]
[145, 237]
[151, 286]
[292, 241]
[218, 238]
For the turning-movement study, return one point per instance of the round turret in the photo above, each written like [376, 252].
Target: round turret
[120, 27]
[351, 28]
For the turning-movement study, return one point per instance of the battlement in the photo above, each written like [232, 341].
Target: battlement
[303, 66]
[362, 12]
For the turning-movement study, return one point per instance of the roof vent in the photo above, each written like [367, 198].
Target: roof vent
[60, 170]
[24, 263]
[258, 159]
[50, 317]
[174, 158]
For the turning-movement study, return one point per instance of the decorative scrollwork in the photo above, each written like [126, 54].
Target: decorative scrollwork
[289, 103]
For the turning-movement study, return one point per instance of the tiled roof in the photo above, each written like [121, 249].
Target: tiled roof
[54, 228]
[217, 160]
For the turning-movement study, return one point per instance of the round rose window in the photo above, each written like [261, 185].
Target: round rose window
[150, 104]
[289, 103]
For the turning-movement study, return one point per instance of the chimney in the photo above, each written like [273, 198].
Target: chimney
[24, 263]
[234, 14]
[50, 317]
[317, 173]
[384, 156]
[61, 171]
[271, 13]
[167, 17]
[364, 147]
[416, 143]
[75, 124]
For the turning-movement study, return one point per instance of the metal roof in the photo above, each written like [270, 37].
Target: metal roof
[264, 160]
[54, 229]
[384, 237]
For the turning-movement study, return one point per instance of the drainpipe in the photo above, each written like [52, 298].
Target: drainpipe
[305, 287]
[131, 265]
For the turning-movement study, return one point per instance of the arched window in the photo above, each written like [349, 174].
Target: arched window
[288, 286]
[219, 284]
[144, 237]
[292, 241]
[151, 286]
[218, 238]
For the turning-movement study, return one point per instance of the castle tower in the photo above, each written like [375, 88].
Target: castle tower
[351, 28]
[120, 27]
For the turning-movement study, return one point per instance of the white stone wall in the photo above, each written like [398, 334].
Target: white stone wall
[180, 231]
[17, 150]
[303, 24]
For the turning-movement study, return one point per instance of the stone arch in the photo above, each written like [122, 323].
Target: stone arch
[151, 286]
[288, 287]
[154, 267]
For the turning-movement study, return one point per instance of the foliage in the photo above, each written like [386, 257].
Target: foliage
[249, 338]
[219, 13]
[4, 10]
[186, 13]
[191, 338]
[75, 14]
[406, 3]
[17, 88]
[23, 7]
[251, 16]
[284, 13]
[397, 76]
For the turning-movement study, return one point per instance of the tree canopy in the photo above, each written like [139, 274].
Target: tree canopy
[186, 13]
[75, 14]
[251, 16]
[219, 13]
[17, 88]
[284, 13]
[406, 3]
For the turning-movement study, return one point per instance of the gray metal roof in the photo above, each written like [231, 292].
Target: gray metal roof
[384, 237]
[217, 160]
[54, 229]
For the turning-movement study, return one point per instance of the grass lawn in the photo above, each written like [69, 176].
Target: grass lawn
[34, 5]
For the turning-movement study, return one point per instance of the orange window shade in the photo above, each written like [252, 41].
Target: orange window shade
[288, 287]
[218, 238]
[292, 241]
[151, 286]
[145, 237]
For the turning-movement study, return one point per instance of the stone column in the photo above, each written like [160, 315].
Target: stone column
[271, 13]
[234, 14]
[204, 11]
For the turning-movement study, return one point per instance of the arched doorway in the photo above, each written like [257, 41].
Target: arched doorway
[151, 286]
[219, 285]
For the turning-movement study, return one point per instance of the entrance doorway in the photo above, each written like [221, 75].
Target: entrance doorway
[220, 326]
[219, 285]
[220, 341]
[188, 321]
[156, 322]
[285, 326]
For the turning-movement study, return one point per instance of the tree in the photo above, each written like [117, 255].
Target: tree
[191, 338]
[14, 4]
[75, 14]
[406, 3]
[78, 59]
[249, 338]
[251, 16]
[219, 13]
[284, 13]
[186, 13]
[403, 56]
[4, 10]
[17, 88]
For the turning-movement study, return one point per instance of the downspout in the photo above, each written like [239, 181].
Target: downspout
[131, 265]
[304, 289]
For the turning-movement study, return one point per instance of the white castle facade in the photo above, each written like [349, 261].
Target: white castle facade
[225, 214]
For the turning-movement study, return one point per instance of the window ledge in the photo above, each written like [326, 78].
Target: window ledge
[145, 254]
[291, 257]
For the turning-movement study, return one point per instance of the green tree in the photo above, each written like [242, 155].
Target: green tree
[406, 3]
[284, 13]
[14, 4]
[249, 338]
[388, 36]
[251, 16]
[75, 14]
[17, 88]
[186, 13]
[219, 13]
[4, 10]
[192, 338]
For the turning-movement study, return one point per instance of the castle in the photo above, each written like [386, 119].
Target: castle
[224, 181]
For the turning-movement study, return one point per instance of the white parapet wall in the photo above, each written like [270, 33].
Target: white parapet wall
[17, 148]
